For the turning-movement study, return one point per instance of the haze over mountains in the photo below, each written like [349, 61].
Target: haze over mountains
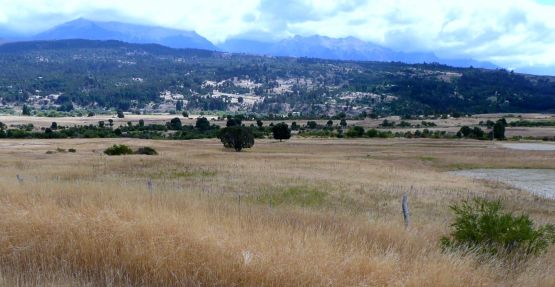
[349, 48]
[131, 33]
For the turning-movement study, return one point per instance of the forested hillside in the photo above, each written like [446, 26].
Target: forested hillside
[72, 74]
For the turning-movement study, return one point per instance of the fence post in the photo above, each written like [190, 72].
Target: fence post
[405, 206]
[149, 185]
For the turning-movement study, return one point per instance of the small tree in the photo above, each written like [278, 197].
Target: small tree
[233, 121]
[281, 132]
[185, 114]
[499, 129]
[101, 124]
[120, 114]
[26, 111]
[54, 126]
[175, 124]
[259, 123]
[236, 137]
[111, 122]
[179, 105]
[202, 124]
[311, 125]
[295, 126]
[329, 124]
[343, 123]
[141, 123]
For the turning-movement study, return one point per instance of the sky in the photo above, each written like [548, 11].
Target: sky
[514, 34]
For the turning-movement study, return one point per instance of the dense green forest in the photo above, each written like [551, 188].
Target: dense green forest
[131, 77]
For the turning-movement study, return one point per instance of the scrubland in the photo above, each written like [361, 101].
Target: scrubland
[298, 213]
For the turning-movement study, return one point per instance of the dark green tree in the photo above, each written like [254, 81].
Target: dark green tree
[233, 121]
[202, 124]
[179, 105]
[185, 114]
[236, 137]
[175, 124]
[343, 123]
[54, 126]
[311, 125]
[120, 114]
[281, 132]
[26, 111]
[499, 130]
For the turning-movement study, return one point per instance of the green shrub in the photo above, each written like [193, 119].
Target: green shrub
[118, 150]
[146, 151]
[482, 225]
[355, 132]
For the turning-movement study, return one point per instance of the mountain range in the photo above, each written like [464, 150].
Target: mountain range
[131, 33]
[350, 48]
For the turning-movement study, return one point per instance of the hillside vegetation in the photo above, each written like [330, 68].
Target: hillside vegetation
[72, 74]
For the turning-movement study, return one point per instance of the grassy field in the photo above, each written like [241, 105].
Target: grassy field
[305, 212]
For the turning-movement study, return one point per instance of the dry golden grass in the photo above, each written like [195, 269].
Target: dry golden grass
[298, 213]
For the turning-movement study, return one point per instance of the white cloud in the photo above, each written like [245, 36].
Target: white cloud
[512, 33]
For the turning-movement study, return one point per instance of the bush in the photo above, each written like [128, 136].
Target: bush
[118, 150]
[482, 225]
[72, 150]
[355, 132]
[146, 151]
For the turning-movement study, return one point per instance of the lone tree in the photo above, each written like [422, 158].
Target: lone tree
[120, 114]
[236, 137]
[499, 129]
[281, 132]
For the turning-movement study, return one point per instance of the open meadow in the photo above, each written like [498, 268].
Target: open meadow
[306, 212]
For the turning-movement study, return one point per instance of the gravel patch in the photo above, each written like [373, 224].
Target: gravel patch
[537, 181]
